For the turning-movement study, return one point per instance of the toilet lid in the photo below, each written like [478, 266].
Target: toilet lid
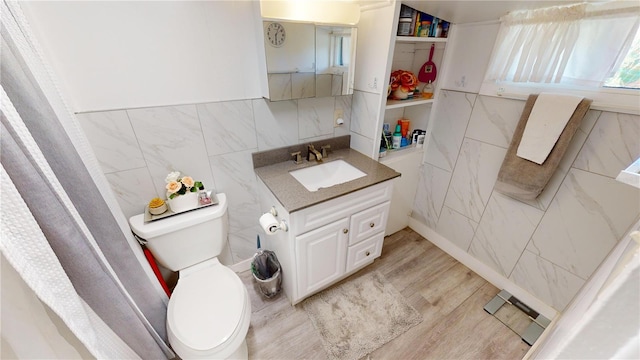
[206, 307]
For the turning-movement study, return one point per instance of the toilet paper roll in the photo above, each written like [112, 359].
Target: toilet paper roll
[269, 223]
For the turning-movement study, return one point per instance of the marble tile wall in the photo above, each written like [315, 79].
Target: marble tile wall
[364, 130]
[549, 246]
[212, 142]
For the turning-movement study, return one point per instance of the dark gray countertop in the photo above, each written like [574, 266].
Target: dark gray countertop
[293, 196]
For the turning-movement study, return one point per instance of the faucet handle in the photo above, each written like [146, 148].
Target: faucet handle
[297, 157]
[324, 149]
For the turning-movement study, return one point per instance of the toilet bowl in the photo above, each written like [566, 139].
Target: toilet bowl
[209, 314]
[209, 310]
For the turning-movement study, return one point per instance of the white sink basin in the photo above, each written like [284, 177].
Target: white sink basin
[326, 175]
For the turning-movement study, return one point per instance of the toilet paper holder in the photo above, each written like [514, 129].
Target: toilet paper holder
[282, 226]
[273, 211]
[270, 224]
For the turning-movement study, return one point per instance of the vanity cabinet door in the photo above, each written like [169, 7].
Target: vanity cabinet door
[321, 256]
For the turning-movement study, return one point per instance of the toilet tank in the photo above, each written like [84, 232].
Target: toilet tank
[185, 239]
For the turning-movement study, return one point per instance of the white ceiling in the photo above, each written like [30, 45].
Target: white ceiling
[469, 11]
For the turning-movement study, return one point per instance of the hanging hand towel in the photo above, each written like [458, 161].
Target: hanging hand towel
[548, 118]
[523, 179]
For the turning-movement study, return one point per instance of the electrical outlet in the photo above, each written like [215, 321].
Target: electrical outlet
[338, 117]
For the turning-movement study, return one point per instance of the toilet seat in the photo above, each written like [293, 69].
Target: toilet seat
[208, 311]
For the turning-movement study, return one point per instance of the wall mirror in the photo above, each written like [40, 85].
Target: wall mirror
[305, 60]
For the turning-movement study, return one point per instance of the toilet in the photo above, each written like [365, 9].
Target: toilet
[209, 310]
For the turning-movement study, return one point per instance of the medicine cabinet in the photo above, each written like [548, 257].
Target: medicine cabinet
[306, 60]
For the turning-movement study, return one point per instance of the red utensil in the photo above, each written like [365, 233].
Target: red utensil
[428, 71]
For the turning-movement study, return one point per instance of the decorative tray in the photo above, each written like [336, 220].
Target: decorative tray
[150, 217]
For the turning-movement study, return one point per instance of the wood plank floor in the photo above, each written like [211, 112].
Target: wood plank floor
[449, 295]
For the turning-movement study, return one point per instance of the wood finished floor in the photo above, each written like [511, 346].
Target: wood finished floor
[449, 295]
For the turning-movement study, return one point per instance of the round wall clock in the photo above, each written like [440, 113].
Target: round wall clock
[275, 34]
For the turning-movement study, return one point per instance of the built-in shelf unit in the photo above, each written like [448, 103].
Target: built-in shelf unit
[410, 53]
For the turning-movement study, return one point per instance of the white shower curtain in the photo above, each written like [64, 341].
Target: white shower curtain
[62, 231]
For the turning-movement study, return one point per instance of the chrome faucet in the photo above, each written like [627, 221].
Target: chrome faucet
[313, 153]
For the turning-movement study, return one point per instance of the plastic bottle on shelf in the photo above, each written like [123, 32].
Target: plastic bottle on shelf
[397, 137]
[427, 91]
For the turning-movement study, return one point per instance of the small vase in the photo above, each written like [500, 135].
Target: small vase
[184, 202]
[400, 94]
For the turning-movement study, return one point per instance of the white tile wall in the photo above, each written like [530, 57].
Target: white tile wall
[365, 107]
[432, 186]
[315, 117]
[548, 246]
[587, 217]
[280, 86]
[171, 140]
[362, 144]
[503, 233]
[213, 143]
[456, 227]
[113, 140]
[343, 103]
[494, 120]
[133, 189]
[473, 178]
[234, 174]
[303, 85]
[550, 283]
[612, 146]
[454, 109]
[323, 85]
[228, 126]
[276, 123]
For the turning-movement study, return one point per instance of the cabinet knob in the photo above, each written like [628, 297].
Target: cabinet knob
[372, 224]
[345, 230]
[367, 253]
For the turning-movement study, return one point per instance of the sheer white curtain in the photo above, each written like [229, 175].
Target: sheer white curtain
[575, 45]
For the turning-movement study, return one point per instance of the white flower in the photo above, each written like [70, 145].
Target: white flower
[173, 176]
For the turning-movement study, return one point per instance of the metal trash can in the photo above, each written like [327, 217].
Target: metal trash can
[267, 272]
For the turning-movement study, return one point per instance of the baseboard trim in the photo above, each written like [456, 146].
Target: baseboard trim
[241, 266]
[496, 279]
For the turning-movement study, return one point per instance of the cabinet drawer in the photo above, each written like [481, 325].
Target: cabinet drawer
[364, 252]
[368, 222]
[332, 210]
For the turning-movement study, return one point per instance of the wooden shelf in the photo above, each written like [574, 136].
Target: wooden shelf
[417, 39]
[394, 104]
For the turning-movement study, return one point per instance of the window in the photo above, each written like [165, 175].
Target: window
[341, 50]
[627, 75]
[586, 49]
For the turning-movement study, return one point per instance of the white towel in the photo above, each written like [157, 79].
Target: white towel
[548, 118]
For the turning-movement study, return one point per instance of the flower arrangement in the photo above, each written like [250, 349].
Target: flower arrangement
[402, 83]
[179, 185]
